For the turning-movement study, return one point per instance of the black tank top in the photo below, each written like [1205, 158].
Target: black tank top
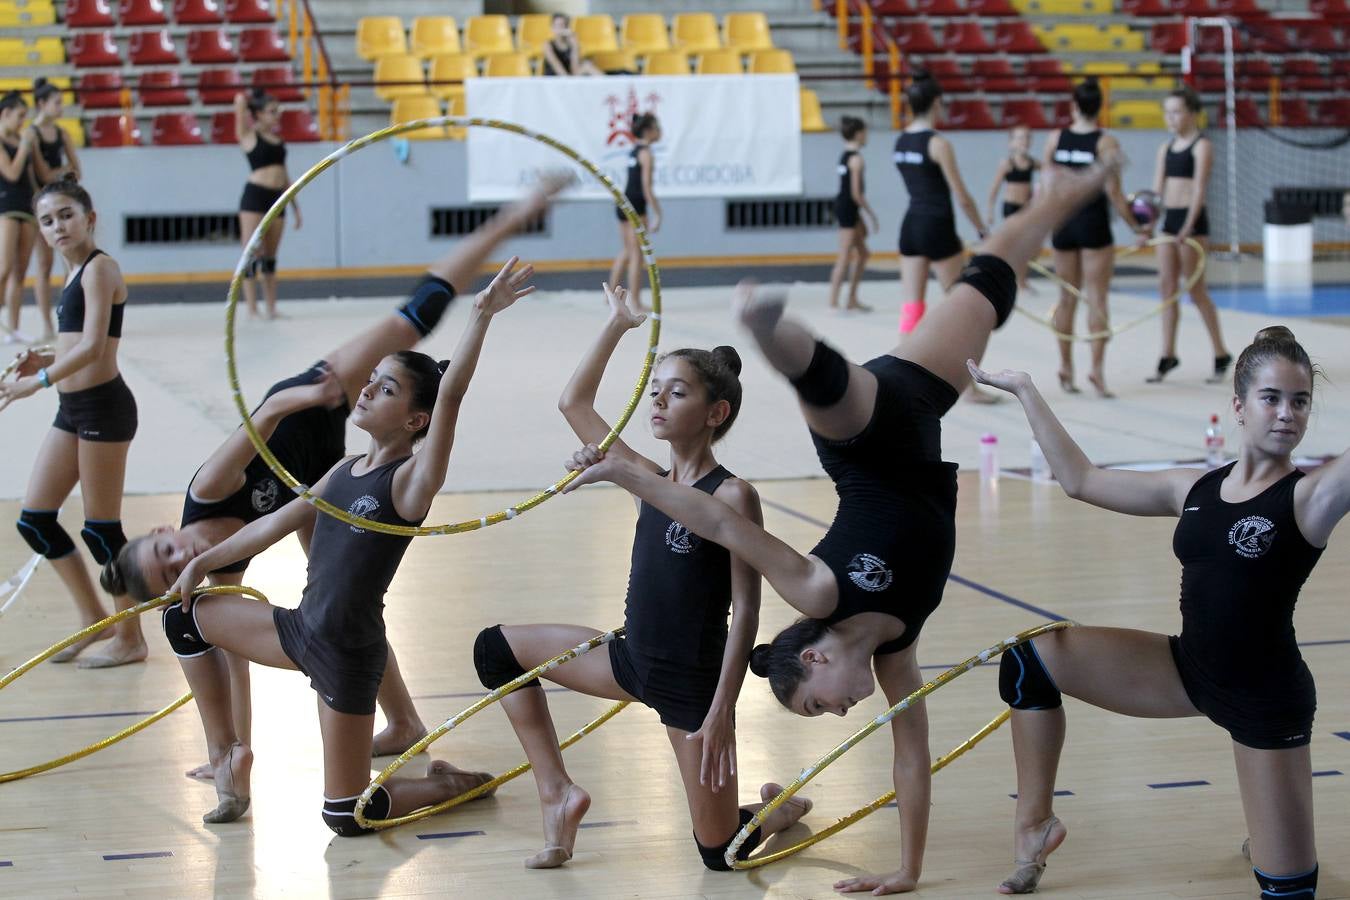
[927, 186]
[846, 178]
[53, 152]
[1242, 567]
[17, 195]
[70, 314]
[564, 53]
[350, 568]
[633, 189]
[679, 588]
[1181, 163]
[1078, 151]
[1020, 176]
[266, 153]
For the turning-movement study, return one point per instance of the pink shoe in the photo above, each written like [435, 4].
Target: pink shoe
[910, 314]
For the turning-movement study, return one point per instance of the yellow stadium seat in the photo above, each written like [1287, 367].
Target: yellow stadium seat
[399, 76]
[746, 31]
[43, 51]
[27, 15]
[25, 87]
[772, 62]
[595, 34]
[488, 35]
[508, 65]
[533, 31]
[694, 32]
[1137, 114]
[1065, 7]
[812, 118]
[434, 36]
[615, 61]
[644, 33]
[378, 36]
[456, 107]
[406, 109]
[74, 128]
[452, 67]
[719, 62]
[1075, 38]
[667, 62]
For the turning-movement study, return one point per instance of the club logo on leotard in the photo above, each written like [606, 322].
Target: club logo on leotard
[680, 539]
[1251, 537]
[870, 572]
[364, 506]
[265, 492]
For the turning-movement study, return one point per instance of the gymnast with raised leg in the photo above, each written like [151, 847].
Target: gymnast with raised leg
[1248, 536]
[337, 635]
[304, 422]
[678, 655]
[866, 589]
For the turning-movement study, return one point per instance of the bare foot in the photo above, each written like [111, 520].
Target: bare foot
[395, 740]
[1098, 381]
[119, 653]
[561, 821]
[458, 780]
[857, 306]
[1033, 847]
[1066, 382]
[204, 772]
[232, 785]
[76, 649]
[786, 815]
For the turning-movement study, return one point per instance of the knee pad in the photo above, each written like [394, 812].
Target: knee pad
[429, 301]
[825, 380]
[251, 270]
[714, 858]
[996, 280]
[267, 265]
[340, 815]
[1024, 682]
[104, 538]
[185, 638]
[495, 662]
[1292, 887]
[44, 534]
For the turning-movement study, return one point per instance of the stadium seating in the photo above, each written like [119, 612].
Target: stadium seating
[210, 46]
[222, 127]
[453, 68]
[249, 12]
[42, 51]
[279, 81]
[968, 114]
[378, 36]
[1027, 111]
[100, 90]
[595, 33]
[262, 45]
[812, 118]
[27, 14]
[746, 31]
[434, 36]
[1136, 114]
[615, 61]
[533, 31]
[508, 65]
[487, 35]
[298, 126]
[719, 62]
[176, 129]
[113, 131]
[667, 62]
[399, 76]
[644, 33]
[771, 62]
[218, 87]
[694, 32]
[198, 12]
[143, 13]
[162, 87]
[152, 48]
[409, 109]
[90, 14]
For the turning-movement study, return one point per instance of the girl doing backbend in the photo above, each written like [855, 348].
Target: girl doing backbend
[1248, 536]
[678, 656]
[877, 430]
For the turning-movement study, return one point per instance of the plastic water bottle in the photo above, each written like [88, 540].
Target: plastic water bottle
[1214, 443]
[1040, 466]
[988, 457]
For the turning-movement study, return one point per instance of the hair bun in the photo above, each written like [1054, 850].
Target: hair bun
[112, 580]
[728, 356]
[1277, 334]
[759, 660]
[40, 82]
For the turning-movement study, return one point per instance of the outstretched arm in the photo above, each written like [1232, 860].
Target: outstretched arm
[1327, 501]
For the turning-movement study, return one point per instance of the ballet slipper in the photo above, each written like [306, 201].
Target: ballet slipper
[1029, 871]
[1221, 364]
[910, 314]
[1165, 365]
[231, 806]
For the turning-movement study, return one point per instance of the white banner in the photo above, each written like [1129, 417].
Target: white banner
[721, 135]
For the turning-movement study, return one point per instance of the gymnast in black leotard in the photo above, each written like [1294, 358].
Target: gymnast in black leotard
[869, 585]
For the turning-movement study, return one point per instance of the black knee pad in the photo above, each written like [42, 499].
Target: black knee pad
[1024, 682]
[251, 270]
[495, 662]
[996, 280]
[44, 534]
[1287, 887]
[267, 265]
[340, 815]
[185, 638]
[825, 380]
[714, 858]
[104, 538]
[429, 301]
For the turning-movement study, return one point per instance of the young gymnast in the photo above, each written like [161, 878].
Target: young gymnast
[678, 656]
[1014, 174]
[55, 160]
[638, 190]
[18, 228]
[337, 635]
[867, 588]
[95, 420]
[849, 203]
[1248, 537]
[257, 128]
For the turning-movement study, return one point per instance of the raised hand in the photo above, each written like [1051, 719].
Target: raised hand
[619, 310]
[593, 466]
[1007, 380]
[506, 288]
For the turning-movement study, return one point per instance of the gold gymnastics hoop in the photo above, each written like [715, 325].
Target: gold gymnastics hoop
[302, 490]
[1047, 322]
[83, 633]
[14, 363]
[483, 703]
[819, 765]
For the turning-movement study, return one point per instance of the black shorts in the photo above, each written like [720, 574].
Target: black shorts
[681, 695]
[1011, 208]
[845, 212]
[259, 199]
[639, 207]
[105, 412]
[1175, 217]
[929, 235]
[1262, 723]
[347, 678]
[1087, 229]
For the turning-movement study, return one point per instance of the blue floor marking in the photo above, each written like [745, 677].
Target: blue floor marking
[1177, 784]
[440, 835]
[1342, 734]
[1328, 772]
[1057, 794]
[1323, 643]
[102, 715]
[117, 857]
[608, 824]
[5, 864]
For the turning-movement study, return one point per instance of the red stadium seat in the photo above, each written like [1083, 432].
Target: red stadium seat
[991, 8]
[249, 11]
[222, 127]
[1243, 8]
[890, 7]
[1320, 37]
[152, 48]
[1248, 113]
[1330, 7]
[89, 49]
[1340, 73]
[113, 131]
[143, 13]
[965, 36]
[1148, 8]
[1334, 112]
[1254, 73]
[915, 37]
[1210, 40]
[89, 14]
[968, 115]
[298, 126]
[948, 72]
[279, 81]
[1208, 72]
[1026, 111]
[1017, 37]
[1062, 114]
[1304, 73]
[1168, 37]
[210, 47]
[176, 130]
[1198, 8]
[163, 87]
[198, 12]
[1294, 113]
[262, 45]
[995, 74]
[100, 90]
[1047, 75]
[942, 8]
[218, 87]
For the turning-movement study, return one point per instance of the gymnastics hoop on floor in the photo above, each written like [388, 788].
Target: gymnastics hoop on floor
[14, 585]
[819, 765]
[483, 703]
[83, 633]
[302, 490]
[1047, 321]
[14, 363]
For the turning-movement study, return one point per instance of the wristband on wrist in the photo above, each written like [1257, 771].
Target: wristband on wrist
[43, 379]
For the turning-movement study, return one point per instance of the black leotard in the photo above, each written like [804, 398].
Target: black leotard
[53, 152]
[266, 153]
[633, 187]
[928, 190]
[564, 54]
[16, 197]
[1181, 163]
[1090, 227]
[70, 313]
[1020, 176]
